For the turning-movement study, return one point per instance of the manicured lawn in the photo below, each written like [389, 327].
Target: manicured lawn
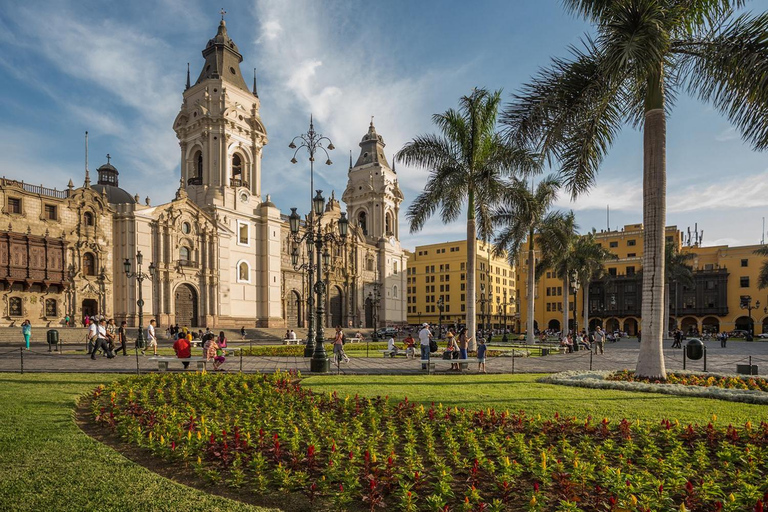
[49, 464]
[515, 392]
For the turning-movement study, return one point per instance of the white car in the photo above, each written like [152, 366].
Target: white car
[763, 336]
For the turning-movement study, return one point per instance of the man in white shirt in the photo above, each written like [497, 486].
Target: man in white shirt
[93, 334]
[292, 335]
[391, 347]
[101, 340]
[151, 338]
[425, 336]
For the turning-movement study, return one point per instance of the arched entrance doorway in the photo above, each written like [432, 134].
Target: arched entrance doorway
[765, 325]
[554, 325]
[743, 323]
[90, 307]
[689, 326]
[336, 304]
[185, 306]
[369, 313]
[595, 323]
[293, 310]
[710, 324]
[630, 326]
[612, 325]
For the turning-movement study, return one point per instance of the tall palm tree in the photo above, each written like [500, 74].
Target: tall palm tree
[643, 53]
[520, 217]
[762, 278]
[677, 271]
[468, 162]
[589, 259]
[557, 241]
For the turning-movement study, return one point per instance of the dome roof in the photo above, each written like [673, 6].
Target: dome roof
[115, 195]
[107, 167]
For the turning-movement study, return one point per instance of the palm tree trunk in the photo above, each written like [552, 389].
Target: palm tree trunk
[566, 296]
[531, 291]
[585, 306]
[666, 310]
[650, 362]
[471, 263]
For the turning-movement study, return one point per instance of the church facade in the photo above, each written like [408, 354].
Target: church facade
[220, 250]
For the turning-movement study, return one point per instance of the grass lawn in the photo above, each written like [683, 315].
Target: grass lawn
[515, 392]
[49, 464]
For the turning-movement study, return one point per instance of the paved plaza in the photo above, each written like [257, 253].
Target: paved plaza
[618, 356]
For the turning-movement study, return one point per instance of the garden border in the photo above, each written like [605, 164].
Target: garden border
[596, 380]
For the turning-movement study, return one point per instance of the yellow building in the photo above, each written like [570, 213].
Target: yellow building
[437, 274]
[722, 276]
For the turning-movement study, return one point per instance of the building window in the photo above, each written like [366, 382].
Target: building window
[237, 171]
[243, 233]
[89, 264]
[14, 205]
[88, 219]
[50, 308]
[744, 263]
[394, 292]
[631, 243]
[243, 272]
[369, 264]
[612, 271]
[744, 282]
[50, 212]
[199, 164]
[14, 306]
[463, 266]
[394, 268]
[630, 271]
[186, 228]
[185, 254]
[463, 287]
[613, 244]
[362, 222]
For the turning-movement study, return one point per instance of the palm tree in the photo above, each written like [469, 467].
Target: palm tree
[677, 270]
[762, 279]
[589, 259]
[520, 217]
[468, 162]
[643, 53]
[557, 241]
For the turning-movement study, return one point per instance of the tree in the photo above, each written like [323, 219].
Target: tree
[762, 279]
[677, 270]
[589, 259]
[467, 162]
[520, 217]
[643, 53]
[558, 237]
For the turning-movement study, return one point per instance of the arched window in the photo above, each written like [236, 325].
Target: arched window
[89, 264]
[237, 171]
[394, 268]
[362, 222]
[369, 264]
[88, 219]
[243, 272]
[199, 164]
[184, 253]
[388, 224]
[394, 291]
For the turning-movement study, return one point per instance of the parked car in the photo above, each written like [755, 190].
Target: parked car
[386, 332]
[738, 333]
[763, 336]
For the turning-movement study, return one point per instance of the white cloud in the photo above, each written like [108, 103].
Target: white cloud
[744, 191]
[727, 134]
[620, 195]
[270, 30]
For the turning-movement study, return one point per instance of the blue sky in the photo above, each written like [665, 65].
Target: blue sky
[117, 69]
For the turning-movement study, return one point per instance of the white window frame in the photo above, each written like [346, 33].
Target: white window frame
[237, 272]
[248, 226]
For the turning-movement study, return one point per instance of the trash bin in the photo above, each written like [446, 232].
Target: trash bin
[694, 349]
[53, 338]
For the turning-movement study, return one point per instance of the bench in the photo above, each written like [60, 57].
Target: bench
[162, 362]
[389, 353]
[353, 340]
[290, 341]
[431, 363]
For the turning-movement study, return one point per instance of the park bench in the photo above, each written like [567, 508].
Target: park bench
[433, 362]
[390, 353]
[162, 362]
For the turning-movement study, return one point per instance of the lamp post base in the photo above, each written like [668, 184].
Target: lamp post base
[309, 349]
[320, 365]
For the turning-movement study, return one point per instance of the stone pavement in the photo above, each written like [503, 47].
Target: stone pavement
[617, 356]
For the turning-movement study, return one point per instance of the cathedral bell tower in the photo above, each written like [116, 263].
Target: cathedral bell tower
[220, 132]
[372, 195]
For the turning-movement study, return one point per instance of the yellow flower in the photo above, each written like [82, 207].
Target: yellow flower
[682, 508]
[731, 497]
[533, 501]
[714, 418]
[189, 435]
[633, 499]
[199, 461]
[198, 435]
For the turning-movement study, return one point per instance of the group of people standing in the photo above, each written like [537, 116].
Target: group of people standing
[104, 336]
[457, 347]
[594, 340]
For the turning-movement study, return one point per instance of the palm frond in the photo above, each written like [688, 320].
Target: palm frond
[762, 278]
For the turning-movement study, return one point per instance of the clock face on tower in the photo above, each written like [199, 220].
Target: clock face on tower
[244, 197]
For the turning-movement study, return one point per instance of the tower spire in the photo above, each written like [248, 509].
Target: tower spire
[87, 182]
[187, 75]
[350, 159]
[255, 90]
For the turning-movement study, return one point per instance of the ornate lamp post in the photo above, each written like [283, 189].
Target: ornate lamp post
[312, 142]
[140, 277]
[315, 235]
[375, 298]
[746, 303]
[575, 287]
[440, 306]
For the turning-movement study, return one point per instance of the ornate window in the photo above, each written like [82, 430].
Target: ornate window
[88, 219]
[237, 171]
[185, 253]
[362, 222]
[369, 264]
[14, 306]
[199, 164]
[89, 264]
[243, 233]
[394, 291]
[50, 308]
[388, 224]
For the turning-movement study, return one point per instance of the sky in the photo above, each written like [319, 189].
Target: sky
[117, 70]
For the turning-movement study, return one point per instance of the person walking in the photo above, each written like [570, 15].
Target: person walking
[101, 340]
[151, 338]
[481, 348]
[424, 340]
[599, 340]
[26, 331]
[338, 346]
[121, 337]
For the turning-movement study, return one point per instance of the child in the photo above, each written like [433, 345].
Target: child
[481, 347]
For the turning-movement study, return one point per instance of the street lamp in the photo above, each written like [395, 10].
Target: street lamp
[575, 284]
[746, 303]
[312, 142]
[375, 298]
[440, 305]
[140, 277]
[482, 307]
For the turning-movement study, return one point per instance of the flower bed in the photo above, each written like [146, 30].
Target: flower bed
[696, 379]
[266, 435]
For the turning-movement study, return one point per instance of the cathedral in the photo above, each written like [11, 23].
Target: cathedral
[220, 250]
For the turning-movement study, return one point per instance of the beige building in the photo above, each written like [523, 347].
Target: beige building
[437, 273]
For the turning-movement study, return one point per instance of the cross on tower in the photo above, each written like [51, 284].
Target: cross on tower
[222, 12]
[108, 157]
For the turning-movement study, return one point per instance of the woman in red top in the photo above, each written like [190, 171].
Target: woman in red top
[183, 350]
